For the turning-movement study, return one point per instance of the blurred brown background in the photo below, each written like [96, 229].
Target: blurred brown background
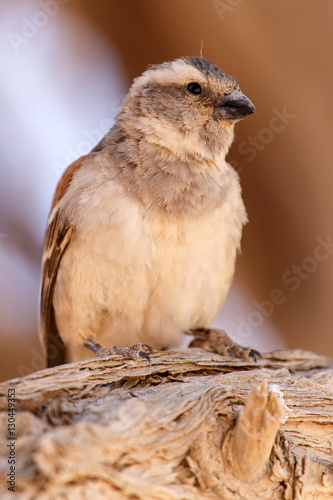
[66, 65]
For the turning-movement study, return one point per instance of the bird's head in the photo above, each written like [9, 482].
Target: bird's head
[188, 105]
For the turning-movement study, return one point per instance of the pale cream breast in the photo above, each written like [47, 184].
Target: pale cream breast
[145, 277]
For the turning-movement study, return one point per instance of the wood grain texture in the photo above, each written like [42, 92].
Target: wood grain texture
[174, 429]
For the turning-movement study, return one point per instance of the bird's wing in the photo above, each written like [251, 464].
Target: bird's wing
[57, 238]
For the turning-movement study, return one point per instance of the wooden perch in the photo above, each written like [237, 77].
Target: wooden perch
[190, 425]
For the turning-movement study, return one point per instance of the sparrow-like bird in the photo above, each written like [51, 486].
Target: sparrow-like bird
[143, 232]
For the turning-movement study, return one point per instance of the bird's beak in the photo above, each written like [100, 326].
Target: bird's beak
[234, 106]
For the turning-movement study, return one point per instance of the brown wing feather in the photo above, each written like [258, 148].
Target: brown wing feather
[57, 239]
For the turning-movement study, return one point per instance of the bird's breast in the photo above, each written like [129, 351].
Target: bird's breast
[147, 276]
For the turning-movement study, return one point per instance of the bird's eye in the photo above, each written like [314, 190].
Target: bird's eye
[194, 88]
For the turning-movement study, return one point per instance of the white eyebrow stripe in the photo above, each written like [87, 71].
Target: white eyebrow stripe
[174, 73]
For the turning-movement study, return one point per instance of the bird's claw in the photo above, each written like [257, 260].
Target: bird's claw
[136, 351]
[220, 342]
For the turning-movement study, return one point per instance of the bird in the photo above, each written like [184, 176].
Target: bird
[143, 231]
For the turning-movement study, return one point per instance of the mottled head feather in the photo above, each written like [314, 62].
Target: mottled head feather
[208, 68]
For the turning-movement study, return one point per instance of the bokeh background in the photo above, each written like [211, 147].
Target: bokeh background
[65, 68]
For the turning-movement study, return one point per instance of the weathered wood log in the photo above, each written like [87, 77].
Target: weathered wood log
[192, 424]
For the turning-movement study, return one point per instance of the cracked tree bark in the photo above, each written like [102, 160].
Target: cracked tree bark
[191, 425]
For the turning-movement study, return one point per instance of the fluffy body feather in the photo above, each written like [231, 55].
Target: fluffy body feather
[143, 232]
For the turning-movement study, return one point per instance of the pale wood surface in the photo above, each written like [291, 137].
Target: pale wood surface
[174, 429]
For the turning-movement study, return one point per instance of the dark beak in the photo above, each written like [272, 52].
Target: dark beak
[234, 106]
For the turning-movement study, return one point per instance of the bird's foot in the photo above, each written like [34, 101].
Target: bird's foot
[220, 342]
[136, 351]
